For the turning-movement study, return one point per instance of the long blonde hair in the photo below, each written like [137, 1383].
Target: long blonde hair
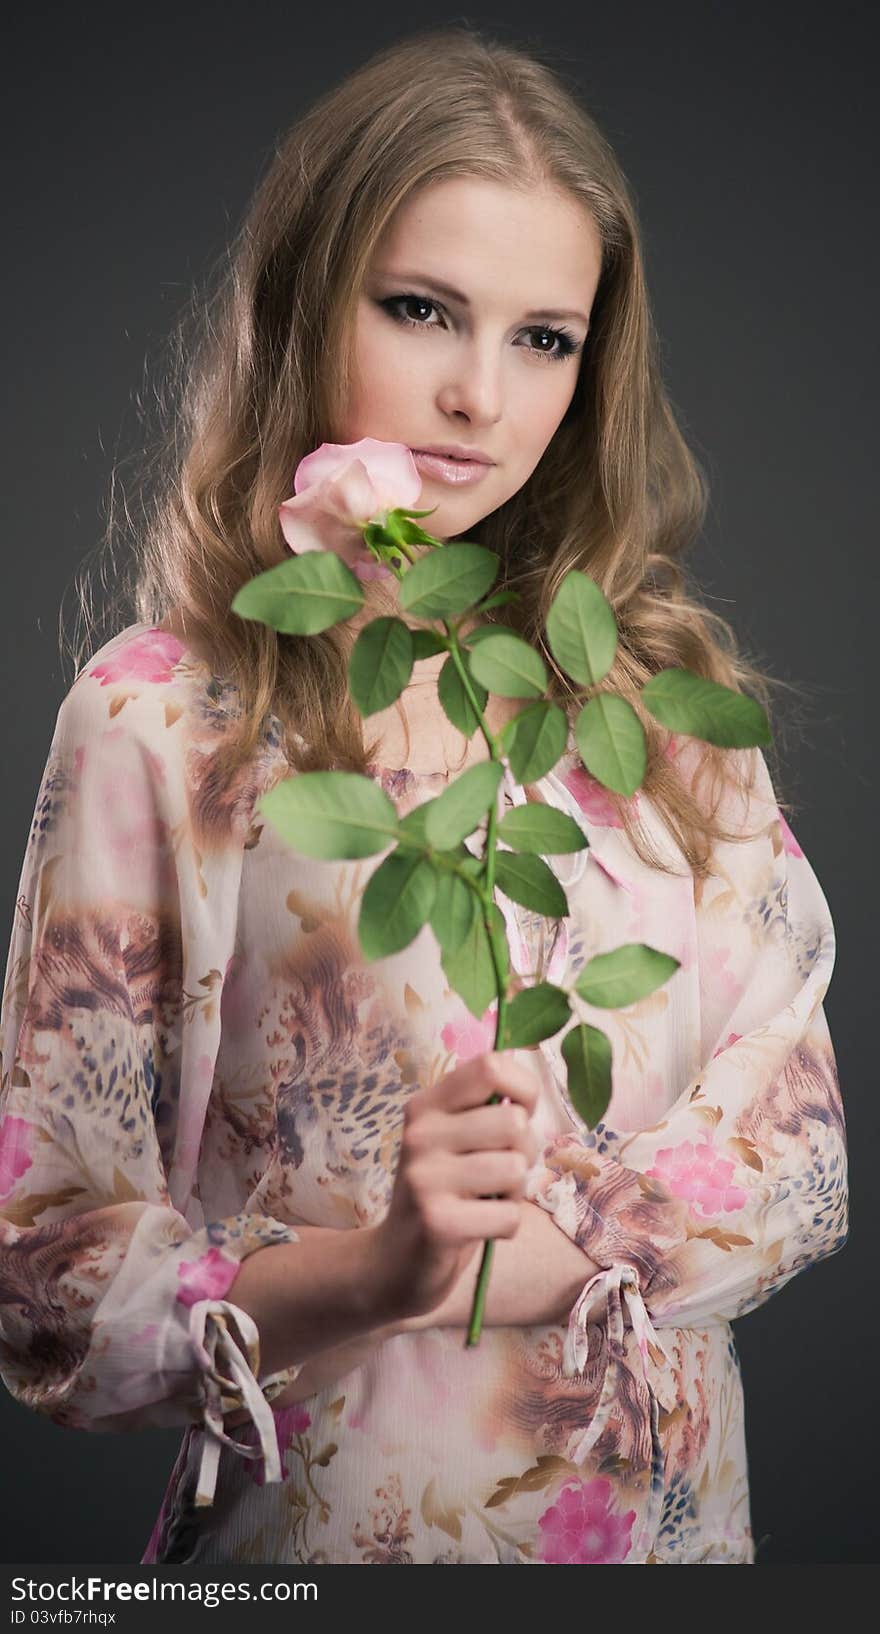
[247, 393]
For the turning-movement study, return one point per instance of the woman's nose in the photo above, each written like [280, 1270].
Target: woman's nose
[473, 388]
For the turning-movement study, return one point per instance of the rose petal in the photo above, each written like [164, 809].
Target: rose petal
[390, 467]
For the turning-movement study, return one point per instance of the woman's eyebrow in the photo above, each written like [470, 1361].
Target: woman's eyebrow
[456, 295]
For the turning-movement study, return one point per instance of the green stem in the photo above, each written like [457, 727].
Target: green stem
[476, 1319]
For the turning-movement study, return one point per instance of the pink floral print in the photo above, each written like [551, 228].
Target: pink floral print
[592, 797]
[466, 1037]
[209, 1277]
[788, 839]
[15, 1152]
[150, 657]
[700, 1174]
[582, 1528]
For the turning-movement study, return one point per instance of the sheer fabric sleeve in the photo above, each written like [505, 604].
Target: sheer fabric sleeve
[113, 1312]
[743, 1182]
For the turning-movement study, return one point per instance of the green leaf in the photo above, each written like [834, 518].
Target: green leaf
[427, 642]
[541, 829]
[454, 699]
[538, 739]
[396, 903]
[611, 742]
[581, 629]
[461, 808]
[587, 1055]
[412, 826]
[705, 709]
[508, 666]
[534, 1013]
[302, 595]
[505, 736]
[475, 866]
[448, 581]
[527, 879]
[332, 815]
[630, 972]
[453, 913]
[380, 664]
[470, 971]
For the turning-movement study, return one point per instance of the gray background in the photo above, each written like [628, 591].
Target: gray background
[132, 145]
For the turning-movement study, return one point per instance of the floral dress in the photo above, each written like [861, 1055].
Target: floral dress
[196, 1058]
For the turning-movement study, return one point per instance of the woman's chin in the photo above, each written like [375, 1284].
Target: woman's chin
[369, 570]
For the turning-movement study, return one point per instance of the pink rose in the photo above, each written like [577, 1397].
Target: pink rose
[15, 1152]
[341, 487]
[209, 1277]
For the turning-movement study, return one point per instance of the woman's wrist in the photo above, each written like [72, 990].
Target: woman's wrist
[536, 1277]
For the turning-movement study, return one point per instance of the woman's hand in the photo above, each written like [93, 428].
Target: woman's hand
[460, 1177]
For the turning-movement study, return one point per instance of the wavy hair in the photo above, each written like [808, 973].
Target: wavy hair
[246, 392]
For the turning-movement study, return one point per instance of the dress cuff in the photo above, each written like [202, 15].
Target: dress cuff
[230, 1385]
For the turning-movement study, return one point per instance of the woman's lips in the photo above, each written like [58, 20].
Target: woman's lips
[447, 469]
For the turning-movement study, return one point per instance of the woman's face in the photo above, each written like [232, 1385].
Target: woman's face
[491, 367]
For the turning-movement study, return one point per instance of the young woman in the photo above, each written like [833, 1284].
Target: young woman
[245, 1176]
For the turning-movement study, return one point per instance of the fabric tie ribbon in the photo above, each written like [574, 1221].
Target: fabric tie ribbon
[620, 1284]
[213, 1343]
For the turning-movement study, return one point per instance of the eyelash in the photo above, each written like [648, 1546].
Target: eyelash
[568, 345]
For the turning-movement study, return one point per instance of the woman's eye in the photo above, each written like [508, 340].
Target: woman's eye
[394, 302]
[564, 343]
